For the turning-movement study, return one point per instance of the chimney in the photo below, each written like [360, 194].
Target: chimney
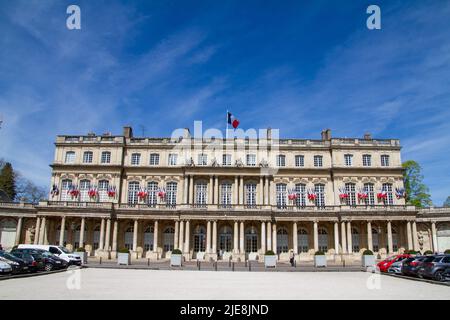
[269, 133]
[367, 136]
[326, 134]
[128, 132]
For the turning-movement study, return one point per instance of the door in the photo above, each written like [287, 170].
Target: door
[8, 233]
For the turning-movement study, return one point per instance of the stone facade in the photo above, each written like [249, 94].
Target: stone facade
[226, 199]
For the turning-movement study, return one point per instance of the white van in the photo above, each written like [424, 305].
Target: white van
[61, 252]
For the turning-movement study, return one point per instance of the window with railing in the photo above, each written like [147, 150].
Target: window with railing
[281, 195]
[318, 161]
[152, 198]
[85, 185]
[154, 159]
[302, 240]
[367, 160]
[300, 161]
[133, 189]
[149, 238]
[65, 188]
[250, 194]
[103, 186]
[350, 189]
[323, 240]
[106, 157]
[171, 195]
[226, 159]
[319, 190]
[225, 194]
[369, 190]
[251, 240]
[201, 193]
[87, 157]
[282, 240]
[168, 239]
[387, 188]
[70, 157]
[300, 190]
[251, 160]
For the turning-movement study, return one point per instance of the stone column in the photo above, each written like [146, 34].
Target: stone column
[102, 234]
[271, 193]
[108, 235]
[241, 237]
[83, 222]
[18, 231]
[241, 193]
[186, 189]
[187, 238]
[294, 237]
[235, 237]
[175, 237]
[369, 236]
[216, 190]
[343, 238]
[42, 231]
[208, 236]
[409, 235]
[135, 234]
[155, 236]
[433, 233]
[115, 231]
[274, 238]
[211, 189]
[260, 191]
[263, 237]
[236, 190]
[62, 231]
[180, 240]
[415, 237]
[316, 237]
[191, 190]
[214, 237]
[266, 192]
[389, 232]
[36, 232]
[349, 237]
[336, 237]
[269, 235]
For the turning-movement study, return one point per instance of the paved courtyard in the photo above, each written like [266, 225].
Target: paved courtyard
[175, 284]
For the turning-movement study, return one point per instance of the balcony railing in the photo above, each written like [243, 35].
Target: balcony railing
[76, 204]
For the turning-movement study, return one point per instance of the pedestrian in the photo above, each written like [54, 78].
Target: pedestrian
[1, 248]
[291, 257]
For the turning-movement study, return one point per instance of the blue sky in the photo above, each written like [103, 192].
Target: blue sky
[300, 66]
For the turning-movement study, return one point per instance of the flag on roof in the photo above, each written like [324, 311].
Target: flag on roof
[232, 120]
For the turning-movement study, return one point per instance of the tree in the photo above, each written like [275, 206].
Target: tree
[417, 193]
[447, 202]
[27, 191]
[8, 180]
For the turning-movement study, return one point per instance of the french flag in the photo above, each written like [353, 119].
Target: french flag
[232, 120]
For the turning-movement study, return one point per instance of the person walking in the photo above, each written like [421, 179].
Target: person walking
[291, 257]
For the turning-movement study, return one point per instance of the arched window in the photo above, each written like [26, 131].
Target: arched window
[387, 187]
[168, 239]
[319, 189]
[133, 189]
[171, 195]
[85, 185]
[302, 240]
[323, 240]
[65, 187]
[70, 157]
[148, 238]
[87, 157]
[282, 240]
[250, 194]
[201, 193]
[152, 198]
[355, 240]
[77, 237]
[251, 239]
[300, 190]
[103, 186]
[128, 241]
[369, 189]
[199, 239]
[225, 239]
[350, 189]
[154, 159]
[225, 194]
[281, 195]
[106, 157]
[135, 159]
[96, 239]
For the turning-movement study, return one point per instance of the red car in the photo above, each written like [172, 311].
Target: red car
[385, 264]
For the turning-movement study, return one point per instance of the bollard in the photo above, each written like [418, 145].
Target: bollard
[249, 266]
[232, 266]
[246, 263]
[229, 262]
[148, 262]
[343, 263]
[199, 265]
[215, 265]
[100, 261]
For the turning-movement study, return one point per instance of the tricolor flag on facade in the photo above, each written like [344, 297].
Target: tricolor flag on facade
[232, 120]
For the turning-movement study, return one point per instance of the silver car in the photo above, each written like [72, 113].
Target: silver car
[396, 267]
[5, 268]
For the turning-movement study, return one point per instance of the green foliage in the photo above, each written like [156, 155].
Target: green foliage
[367, 253]
[410, 252]
[8, 180]
[124, 250]
[270, 253]
[428, 252]
[176, 251]
[417, 192]
[80, 249]
[319, 253]
[447, 251]
[447, 202]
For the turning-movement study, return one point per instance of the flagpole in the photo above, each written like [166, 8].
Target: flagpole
[226, 128]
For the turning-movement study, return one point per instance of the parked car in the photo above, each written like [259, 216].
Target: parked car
[19, 265]
[37, 256]
[396, 267]
[32, 263]
[61, 252]
[385, 264]
[56, 261]
[5, 268]
[412, 265]
[435, 269]
[446, 274]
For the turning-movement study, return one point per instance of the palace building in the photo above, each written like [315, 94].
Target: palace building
[231, 198]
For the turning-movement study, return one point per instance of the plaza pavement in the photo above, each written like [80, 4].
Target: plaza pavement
[96, 283]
